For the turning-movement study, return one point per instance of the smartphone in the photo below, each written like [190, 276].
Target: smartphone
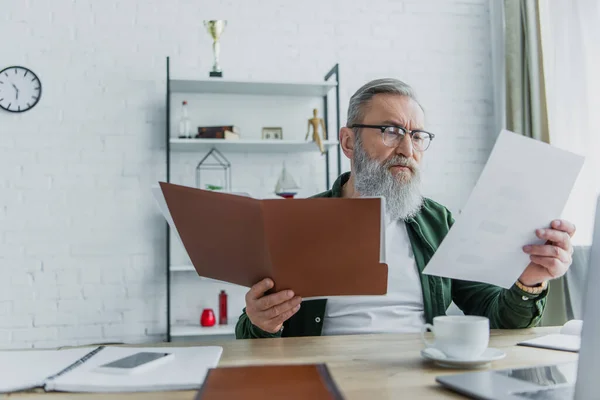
[135, 363]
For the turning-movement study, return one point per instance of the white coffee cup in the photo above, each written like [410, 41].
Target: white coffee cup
[463, 337]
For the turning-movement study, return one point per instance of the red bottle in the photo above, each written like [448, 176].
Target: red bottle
[222, 308]
[208, 317]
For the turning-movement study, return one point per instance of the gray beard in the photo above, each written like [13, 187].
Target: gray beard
[371, 178]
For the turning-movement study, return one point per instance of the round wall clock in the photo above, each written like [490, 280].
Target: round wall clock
[20, 89]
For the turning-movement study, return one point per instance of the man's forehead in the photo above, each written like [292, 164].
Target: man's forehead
[398, 108]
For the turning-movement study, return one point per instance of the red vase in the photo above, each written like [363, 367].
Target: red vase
[208, 317]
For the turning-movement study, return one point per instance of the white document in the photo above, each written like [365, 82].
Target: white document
[74, 370]
[186, 371]
[382, 228]
[29, 369]
[524, 186]
[159, 197]
[569, 338]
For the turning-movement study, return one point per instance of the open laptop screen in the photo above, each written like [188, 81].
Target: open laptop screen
[547, 375]
[589, 356]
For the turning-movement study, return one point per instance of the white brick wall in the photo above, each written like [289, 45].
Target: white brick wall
[81, 243]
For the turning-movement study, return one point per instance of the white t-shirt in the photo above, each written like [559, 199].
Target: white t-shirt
[400, 310]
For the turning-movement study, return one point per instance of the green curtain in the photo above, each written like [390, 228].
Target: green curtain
[526, 108]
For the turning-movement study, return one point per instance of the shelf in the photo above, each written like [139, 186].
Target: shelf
[249, 146]
[190, 268]
[214, 91]
[182, 268]
[311, 89]
[197, 330]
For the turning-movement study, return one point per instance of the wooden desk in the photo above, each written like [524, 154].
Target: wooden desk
[364, 367]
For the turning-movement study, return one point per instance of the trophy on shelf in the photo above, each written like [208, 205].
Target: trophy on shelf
[215, 29]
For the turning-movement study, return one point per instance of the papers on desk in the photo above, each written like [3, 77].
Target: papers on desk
[569, 338]
[74, 370]
[524, 186]
[23, 370]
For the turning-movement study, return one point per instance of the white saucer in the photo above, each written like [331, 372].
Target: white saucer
[489, 355]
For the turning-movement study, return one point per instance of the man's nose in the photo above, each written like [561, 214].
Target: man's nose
[405, 147]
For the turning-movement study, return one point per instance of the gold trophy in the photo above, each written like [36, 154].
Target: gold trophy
[215, 29]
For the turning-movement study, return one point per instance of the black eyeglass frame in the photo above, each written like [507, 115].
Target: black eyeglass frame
[382, 128]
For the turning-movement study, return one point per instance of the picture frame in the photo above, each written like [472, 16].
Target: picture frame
[272, 133]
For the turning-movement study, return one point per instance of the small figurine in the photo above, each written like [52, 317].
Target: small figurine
[315, 122]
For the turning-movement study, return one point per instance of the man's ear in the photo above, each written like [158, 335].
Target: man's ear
[347, 141]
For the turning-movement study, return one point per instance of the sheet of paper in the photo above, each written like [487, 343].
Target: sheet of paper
[162, 205]
[384, 222]
[555, 341]
[524, 186]
[29, 368]
[186, 371]
[164, 209]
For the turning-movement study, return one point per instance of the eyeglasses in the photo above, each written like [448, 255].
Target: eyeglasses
[393, 135]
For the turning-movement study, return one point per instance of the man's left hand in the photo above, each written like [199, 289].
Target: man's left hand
[552, 259]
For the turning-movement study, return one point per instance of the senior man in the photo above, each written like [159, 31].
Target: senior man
[385, 140]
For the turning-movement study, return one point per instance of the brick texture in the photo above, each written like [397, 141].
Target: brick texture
[81, 242]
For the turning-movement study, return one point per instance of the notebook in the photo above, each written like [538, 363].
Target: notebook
[316, 247]
[74, 370]
[569, 338]
[290, 382]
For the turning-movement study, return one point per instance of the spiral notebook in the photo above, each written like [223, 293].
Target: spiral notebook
[74, 370]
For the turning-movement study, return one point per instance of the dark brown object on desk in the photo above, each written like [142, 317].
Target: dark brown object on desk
[290, 382]
[316, 247]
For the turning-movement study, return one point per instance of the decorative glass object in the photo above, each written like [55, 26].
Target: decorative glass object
[213, 172]
[185, 130]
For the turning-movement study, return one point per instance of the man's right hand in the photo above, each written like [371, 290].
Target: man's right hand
[270, 312]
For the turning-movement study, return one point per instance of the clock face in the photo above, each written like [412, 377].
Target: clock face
[20, 89]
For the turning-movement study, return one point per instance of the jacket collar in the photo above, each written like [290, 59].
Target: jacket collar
[338, 185]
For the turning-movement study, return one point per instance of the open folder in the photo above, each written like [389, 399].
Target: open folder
[316, 247]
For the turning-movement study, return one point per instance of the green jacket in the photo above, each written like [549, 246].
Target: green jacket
[505, 308]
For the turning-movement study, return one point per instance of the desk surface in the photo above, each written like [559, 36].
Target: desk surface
[365, 366]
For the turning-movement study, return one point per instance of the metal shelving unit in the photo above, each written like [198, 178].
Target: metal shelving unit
[220, 86]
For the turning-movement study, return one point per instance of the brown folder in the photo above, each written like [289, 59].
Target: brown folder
[316, 247]
[290, 382]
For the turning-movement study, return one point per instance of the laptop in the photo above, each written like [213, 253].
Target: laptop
[565, 381]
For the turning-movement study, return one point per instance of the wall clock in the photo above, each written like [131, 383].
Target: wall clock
[20, 89]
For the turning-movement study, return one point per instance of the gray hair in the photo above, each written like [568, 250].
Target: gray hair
[378, 86]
